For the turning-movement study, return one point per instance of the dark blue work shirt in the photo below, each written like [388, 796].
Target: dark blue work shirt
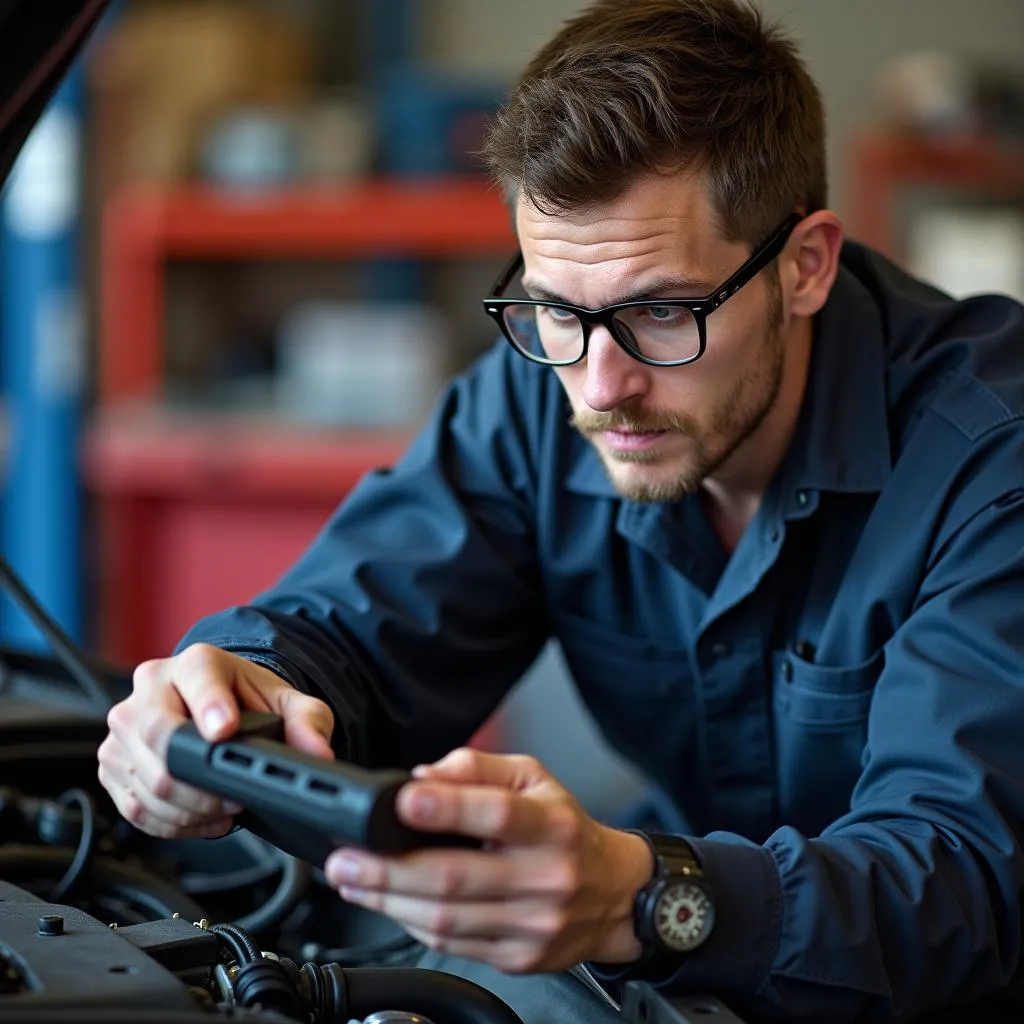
[836, 709]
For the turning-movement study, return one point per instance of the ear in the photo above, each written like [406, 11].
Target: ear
[813, 262]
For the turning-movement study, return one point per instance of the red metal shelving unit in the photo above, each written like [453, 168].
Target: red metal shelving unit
[884, 165]
[143, 228]
[197, 512]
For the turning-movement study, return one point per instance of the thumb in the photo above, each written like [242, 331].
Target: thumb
[308, 722]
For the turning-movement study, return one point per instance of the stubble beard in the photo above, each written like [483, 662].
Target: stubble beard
[735, 419]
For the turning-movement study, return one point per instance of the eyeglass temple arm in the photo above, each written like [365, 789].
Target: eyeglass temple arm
[771, 249]
[505, 278]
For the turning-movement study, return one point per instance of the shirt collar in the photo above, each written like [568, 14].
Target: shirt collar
[842, 440]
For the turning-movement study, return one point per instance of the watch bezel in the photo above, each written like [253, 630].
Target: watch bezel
[678, 882]
[675, 863]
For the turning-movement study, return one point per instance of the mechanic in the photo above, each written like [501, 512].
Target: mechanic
[764, 488]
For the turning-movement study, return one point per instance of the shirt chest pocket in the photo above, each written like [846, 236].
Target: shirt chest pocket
[639, 691]
[820, 727]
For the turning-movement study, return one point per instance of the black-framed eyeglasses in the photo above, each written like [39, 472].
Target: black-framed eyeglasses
[666, 332]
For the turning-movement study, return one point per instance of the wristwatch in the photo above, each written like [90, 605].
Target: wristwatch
[674, 913]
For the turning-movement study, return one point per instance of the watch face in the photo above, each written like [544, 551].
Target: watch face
[683, 916]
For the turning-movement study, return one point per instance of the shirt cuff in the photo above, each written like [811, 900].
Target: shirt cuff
[738, 955]
[278, 658]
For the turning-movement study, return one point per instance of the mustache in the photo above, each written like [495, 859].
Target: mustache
[587, 421]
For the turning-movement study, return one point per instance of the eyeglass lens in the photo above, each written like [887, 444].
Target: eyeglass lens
[549, 333]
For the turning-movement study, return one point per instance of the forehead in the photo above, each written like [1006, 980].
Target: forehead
[660, 226]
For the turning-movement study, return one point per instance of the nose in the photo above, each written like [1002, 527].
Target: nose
[612, 375]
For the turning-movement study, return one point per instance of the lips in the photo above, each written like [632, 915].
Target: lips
[630, 440]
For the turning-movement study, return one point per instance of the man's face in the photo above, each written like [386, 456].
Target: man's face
[660, 431]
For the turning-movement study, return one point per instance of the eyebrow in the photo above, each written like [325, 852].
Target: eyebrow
[661, 288]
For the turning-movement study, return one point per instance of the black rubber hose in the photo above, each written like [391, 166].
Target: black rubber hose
[86, 841]
[359, 956]
[239, 942]
[267, 984]
[267, 861]
[296, 876]
[295, 879]
[126, 880]
[234, 947]
[434, 994]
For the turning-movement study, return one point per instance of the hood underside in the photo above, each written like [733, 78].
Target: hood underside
[40, 40]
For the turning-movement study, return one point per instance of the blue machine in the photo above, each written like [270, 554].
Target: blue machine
[42, 341]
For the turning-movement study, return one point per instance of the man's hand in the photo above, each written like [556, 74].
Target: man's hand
[210, 686]
[552, 887]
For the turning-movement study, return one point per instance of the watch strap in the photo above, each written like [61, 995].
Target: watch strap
[673, 855]
[674, 858]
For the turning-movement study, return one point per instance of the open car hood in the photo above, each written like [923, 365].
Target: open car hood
[39, 40]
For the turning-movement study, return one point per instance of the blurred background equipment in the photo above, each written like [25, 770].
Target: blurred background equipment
[165, 73]
[371, 364]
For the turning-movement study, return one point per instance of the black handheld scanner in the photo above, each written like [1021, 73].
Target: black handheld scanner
[304, 805]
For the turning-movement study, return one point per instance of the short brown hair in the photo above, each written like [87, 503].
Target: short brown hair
[634, 86]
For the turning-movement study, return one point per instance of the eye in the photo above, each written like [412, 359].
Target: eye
[560, 316]
[666, 314]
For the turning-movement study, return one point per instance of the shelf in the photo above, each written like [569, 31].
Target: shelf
[961, 160]
[883, 164]
[148, 451]
[198, 512]
[145, 227]
[429, 218]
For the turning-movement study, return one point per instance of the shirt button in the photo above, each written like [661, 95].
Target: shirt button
[787, 671]
[802, 497]
[804, 649]
[720, 649]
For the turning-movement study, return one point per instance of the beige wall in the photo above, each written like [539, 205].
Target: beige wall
[845, 42]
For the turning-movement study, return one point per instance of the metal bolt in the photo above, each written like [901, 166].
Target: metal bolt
[112, 926]
[50, 924]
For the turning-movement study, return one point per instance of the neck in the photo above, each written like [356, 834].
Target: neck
[734, 492]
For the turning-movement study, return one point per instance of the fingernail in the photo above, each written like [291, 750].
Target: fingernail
[343, 869]
[421, 771]
[350, 892]
[424, 805]
[215, 719]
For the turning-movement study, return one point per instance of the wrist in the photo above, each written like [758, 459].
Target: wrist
[631, 867]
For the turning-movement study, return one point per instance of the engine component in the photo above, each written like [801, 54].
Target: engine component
[58, 963]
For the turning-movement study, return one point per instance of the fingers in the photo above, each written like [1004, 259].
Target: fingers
[131, 759]
[512, 771]
[480, 920]
[487, 812]
[459, 874]
[308, 722]
[149, 798]
[210, 686]
[170, 799]
[154, 710]
[198, 683]
[158, 817]
[207, 680]
[169, 691]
